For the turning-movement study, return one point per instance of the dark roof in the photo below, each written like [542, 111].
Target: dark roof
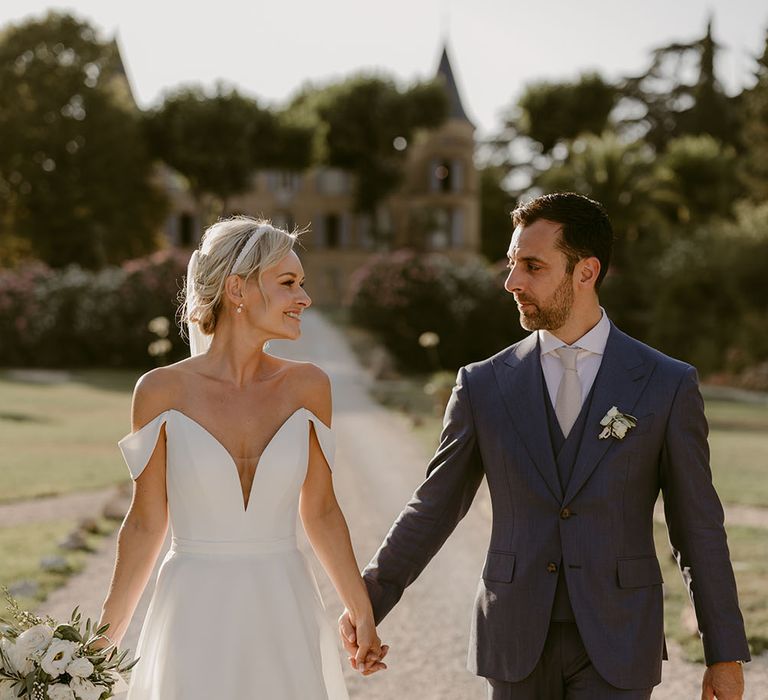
[445, 72]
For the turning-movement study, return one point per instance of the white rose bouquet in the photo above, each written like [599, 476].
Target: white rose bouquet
[41, 659]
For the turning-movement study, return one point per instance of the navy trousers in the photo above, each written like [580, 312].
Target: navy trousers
[564, 672]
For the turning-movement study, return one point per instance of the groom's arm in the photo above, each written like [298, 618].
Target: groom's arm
[695, 520]
[453, 477]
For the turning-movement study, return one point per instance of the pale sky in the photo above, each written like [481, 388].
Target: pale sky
[269, 49]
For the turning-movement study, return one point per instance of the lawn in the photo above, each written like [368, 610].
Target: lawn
[21, 549]
[58, 431]
[749, 555]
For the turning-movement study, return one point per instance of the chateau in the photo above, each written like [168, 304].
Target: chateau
[436, 208]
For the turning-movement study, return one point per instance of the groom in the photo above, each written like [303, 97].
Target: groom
[570, 604]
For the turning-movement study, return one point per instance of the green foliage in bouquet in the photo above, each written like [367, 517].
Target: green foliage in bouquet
[41, 659]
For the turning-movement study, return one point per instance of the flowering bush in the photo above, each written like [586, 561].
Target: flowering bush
[402, 295]
[75, 317]
[41, 659]
[18, 305]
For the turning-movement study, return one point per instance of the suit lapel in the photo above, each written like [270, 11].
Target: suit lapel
[518, 374]
[620, 381]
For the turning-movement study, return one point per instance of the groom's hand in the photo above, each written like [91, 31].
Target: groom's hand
[372, 662]
[724, 681]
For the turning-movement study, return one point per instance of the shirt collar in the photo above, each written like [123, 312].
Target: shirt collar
[593, 340]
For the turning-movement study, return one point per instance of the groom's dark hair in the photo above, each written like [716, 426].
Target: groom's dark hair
[586, 229]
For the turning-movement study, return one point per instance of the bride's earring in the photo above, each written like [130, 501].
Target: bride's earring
[240, 308]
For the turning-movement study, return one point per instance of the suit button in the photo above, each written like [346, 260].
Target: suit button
[552, 567]
[565, 513]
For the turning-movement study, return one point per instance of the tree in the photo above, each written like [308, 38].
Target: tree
[74, 169]
[616, 173]
[671, 104]
[363, 117]
[549, 113]
[698, 174]
[620, 175]
[496, 205]
[217, 141]
[755, 170]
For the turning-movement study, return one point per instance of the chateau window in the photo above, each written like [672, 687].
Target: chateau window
[332, 181]
[284, 220]
[446, 175]
[186, 228]
[331, 231]
[283, 181]
[365, 232]
[440, 233]
[457, 228]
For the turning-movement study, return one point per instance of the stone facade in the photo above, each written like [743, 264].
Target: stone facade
[436, 208]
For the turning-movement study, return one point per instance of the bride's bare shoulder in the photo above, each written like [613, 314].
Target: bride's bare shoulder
[313, 388]
[159, 390]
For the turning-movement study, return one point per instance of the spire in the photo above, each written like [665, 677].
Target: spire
[445, 73]
[120, 73]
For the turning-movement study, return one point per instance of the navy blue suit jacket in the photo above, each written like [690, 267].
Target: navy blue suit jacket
[495, 426]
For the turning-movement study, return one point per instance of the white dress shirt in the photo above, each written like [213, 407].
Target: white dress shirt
[591, 348]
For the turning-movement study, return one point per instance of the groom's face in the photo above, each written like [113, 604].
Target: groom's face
[538, 276]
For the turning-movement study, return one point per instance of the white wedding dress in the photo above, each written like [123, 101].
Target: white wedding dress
[236, 613]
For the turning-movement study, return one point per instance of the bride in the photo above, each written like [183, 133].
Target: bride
[228, 446]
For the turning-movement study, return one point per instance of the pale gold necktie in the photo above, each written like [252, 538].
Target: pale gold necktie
[568, 402]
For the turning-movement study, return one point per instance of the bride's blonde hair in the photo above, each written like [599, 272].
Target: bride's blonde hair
[227, 248]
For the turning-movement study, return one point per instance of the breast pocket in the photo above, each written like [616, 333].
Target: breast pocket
[499, 566]
[644, 424]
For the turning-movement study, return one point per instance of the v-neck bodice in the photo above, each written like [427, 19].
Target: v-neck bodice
[234, 568]
[205, 495]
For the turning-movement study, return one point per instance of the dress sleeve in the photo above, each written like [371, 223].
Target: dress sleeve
[325, 437]
[138, 447]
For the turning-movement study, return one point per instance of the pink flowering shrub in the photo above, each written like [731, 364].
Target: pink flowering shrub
[403, 294]
[74, 317]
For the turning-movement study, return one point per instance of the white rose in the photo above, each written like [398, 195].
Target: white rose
[35, 640]
[85, 690]
[18, 658]
[80, 667]
[619, 429]
[58, 656]
[610, 416]
[60, 692]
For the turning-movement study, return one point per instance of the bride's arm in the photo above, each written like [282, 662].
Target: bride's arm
[328, 533]
[143, 530]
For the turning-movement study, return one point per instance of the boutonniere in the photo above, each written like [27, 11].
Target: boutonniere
[616, 424]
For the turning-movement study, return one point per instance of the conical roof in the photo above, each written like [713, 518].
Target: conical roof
[445, 73]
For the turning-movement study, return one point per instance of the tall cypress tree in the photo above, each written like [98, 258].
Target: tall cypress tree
[756, 131]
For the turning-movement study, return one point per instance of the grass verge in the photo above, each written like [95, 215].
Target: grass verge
[23, 547]
[749, 555]
[59, 430]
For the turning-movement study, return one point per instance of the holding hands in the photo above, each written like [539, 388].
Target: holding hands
[362, 644]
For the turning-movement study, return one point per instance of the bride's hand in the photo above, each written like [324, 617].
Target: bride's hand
[362, 643]
[375, 663]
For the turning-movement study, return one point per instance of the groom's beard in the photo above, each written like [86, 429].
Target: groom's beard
[553, 313]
